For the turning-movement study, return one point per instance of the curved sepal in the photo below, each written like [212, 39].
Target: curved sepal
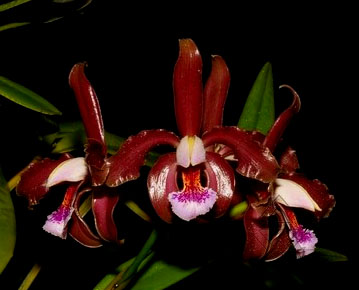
[282, 121]
[221, 179]
[215, 94]
[90, 111]
[126, 163]
[317, 191]
[103, 205]
[257, 231]
[79, 230]
[161, 181]
[187, 88]
[254, 160]
[33, 180]
[280, 243]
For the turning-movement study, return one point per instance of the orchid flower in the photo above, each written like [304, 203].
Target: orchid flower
[289, 190]
[195, 179]
[82, 175]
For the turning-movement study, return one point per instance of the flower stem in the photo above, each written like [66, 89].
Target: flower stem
[30, 277]
[137, 210]
[123, 278]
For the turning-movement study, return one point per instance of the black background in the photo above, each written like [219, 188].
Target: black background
[131, 52]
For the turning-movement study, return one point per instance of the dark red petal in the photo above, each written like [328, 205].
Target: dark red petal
[289, 161]
[257, 232]
[161, 181]
[221, 179]
[282, 121]
[126, 163]
[187, 88]
[103, 204]
[91, 116]
[317, 190]
[280, 243]
[254, 160]
[79, 230]
[33, 179]
[215, 94]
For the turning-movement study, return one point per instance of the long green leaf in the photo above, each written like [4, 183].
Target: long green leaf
[258, 111]
[330, 256]
[161, 275]
[12, 4]
[25, 97]
[13, 25]
[7, 225]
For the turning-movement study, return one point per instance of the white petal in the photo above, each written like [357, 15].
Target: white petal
[72, 170]
[198, 154]
[183, 153]
[291, 194]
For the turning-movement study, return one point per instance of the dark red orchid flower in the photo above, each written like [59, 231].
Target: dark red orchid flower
[194, 179]
[82, 175]
[289, 190]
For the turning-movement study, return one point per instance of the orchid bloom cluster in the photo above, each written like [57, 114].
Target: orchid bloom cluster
[195, 181]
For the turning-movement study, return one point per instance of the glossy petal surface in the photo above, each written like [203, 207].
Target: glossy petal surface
[161, 181]
[126, 163]
[215, 94]
[187, 87]
[33, 181]
[254, 160]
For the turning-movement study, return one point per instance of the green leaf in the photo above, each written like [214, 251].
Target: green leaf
[7, 224]
[161, 275]
[258, 111]
[25, 97]
[12, 4]
[330, 256]
[13, 25]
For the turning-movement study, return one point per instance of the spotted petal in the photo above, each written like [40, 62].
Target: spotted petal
[161, 181]
[254, 160]
[126, 163]
[33, 180]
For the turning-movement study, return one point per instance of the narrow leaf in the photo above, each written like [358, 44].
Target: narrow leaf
[7, 224]
[12, 4]
[258, 112]
[25, 97]
[330, 256]
[13, 25]
[161, 275]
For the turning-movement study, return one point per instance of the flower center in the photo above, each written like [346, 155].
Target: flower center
[194, 199]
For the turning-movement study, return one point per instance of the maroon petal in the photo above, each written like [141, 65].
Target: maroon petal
[91, 116]
[187, 87]
[126, 163]
[254, 160]
[317, 190]
[103, 204]
[289, 161]
[215, 94]
[282, 121]
[161, 181]
[221, 180]
[79, 230]
[280, 243]
[257, 231]
[33, 180]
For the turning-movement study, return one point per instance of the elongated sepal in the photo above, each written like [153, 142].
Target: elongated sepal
[126, 163]
[277, 130]
[103, 205]
[161, 181]
[90, 111]
[215, 94]
[254, 160]
[187, 87]
[78, 229]
[33, 180]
